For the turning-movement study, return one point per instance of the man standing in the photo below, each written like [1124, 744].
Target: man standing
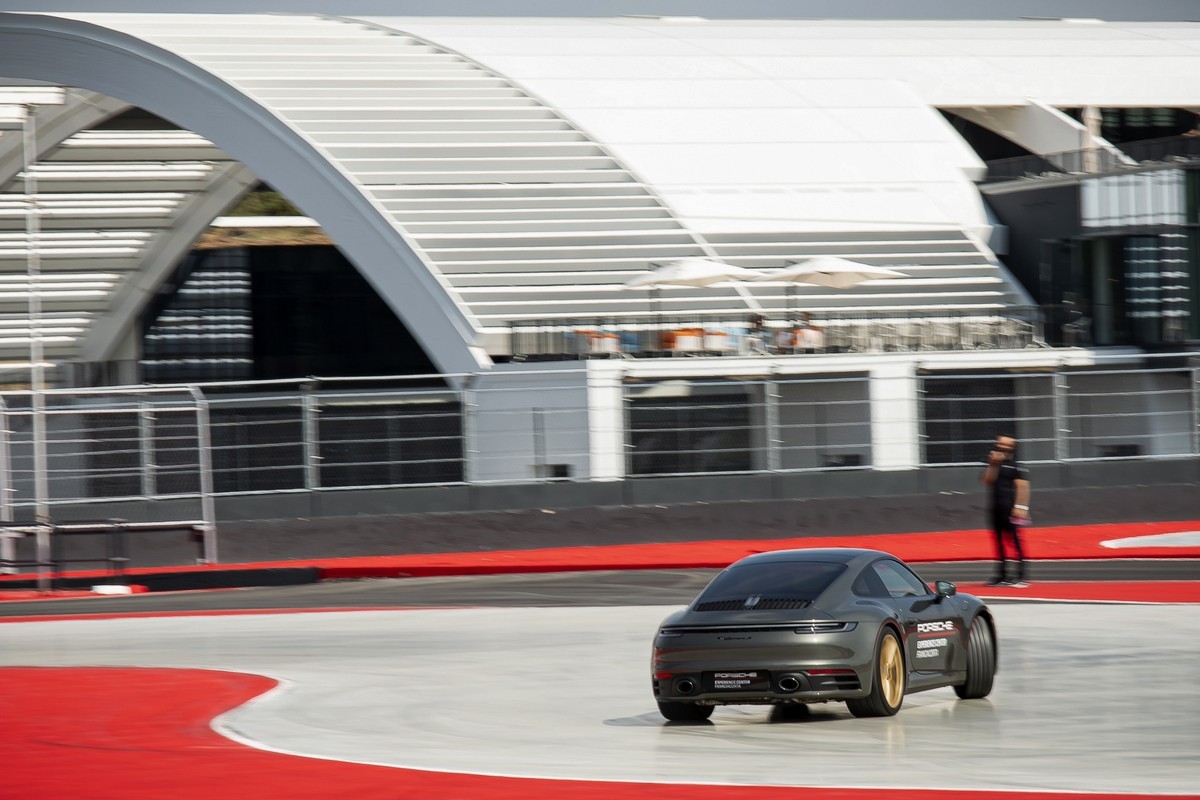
[1008, 501]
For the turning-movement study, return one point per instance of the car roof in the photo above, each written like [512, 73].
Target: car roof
[836, 555]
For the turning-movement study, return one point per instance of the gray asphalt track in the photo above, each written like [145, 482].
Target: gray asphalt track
[1098, 698]
[595, 588]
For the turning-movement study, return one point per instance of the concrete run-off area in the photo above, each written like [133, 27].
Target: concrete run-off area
[1089, 698]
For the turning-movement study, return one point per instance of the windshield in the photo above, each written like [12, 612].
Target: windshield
[793, 580]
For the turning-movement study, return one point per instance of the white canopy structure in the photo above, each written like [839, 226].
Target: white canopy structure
[481, 172]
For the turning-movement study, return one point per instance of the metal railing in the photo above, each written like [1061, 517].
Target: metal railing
[826, 331]
[190, 445]
[821, 424]
[1158, 320]
[1094, 160]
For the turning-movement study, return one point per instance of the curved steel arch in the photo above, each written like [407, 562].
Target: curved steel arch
[57, 124]
[73, 53]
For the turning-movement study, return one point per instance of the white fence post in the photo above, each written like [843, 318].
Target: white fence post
[1062, 434]
[8, 542]
[1196, 411]
[773, 434]
[310, 430]
[204, 448]
[469, 407]
[146, 435]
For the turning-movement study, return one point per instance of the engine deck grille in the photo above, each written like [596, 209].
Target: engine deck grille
[763, 604]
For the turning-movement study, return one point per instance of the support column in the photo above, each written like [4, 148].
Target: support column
[606, 421]
[1196, 411]
[895, 417]
[1092, 123]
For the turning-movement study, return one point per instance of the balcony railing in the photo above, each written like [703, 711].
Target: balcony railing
[780, 334]
[1094, 160]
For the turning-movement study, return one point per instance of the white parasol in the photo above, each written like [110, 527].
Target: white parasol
[695, 272]
[830, 271]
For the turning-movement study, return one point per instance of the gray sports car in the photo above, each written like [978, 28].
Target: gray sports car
[810, 626]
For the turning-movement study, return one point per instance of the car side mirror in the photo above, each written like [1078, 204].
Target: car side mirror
[946, 589]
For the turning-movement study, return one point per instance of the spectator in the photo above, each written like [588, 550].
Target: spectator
[1008, 507]
[759, 335]
[785, 341]
[809, 336]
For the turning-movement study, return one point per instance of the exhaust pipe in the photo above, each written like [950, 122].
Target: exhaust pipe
[685, 686]
[789, 683]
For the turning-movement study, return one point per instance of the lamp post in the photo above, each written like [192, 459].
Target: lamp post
[37, 375]
[27, 99]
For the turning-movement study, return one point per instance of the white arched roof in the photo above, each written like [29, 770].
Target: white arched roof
[817, 124]
[142, 60]
[482, 171]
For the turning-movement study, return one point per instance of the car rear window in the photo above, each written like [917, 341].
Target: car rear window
[795, 580]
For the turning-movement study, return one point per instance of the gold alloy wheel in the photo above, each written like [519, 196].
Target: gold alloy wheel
[891, 672]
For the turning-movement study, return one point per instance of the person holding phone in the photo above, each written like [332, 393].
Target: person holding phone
[1008, 507]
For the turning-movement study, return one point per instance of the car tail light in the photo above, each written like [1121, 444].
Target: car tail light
[825, 627]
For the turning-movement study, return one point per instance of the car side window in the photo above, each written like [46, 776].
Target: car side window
[900, 582]
[868, 584]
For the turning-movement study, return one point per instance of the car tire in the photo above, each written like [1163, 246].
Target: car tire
[887, 684]
[685, 712]
[981, 662]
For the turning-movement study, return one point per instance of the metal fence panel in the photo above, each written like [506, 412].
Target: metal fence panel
[529, 425]
[691, 427]
[1129, 413]
[824, 423]
[257, 444]
[121, 445]
[532, 426]
[1081, 415]
[388, 440]
[962, 414]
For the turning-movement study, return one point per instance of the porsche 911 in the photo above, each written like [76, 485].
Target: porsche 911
[807, 626]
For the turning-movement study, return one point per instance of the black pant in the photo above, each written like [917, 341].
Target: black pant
[1003, 528]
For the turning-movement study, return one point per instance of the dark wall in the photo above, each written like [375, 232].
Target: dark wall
[1032, 216]
[987, 144]
[315, 314]
[308, 309]
[433, 519]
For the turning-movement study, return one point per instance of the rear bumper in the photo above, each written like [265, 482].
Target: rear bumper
[783, 686]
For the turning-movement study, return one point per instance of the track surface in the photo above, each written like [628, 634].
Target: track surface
[591, 588]
[562, 693]
[535, 683]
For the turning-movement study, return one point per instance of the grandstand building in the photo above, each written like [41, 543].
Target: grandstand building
[492, 186]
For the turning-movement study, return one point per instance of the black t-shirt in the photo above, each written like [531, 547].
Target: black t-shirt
[1004, 490]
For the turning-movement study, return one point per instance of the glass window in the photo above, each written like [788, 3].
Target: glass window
[868, 584]
[899, 580]
[798, 580]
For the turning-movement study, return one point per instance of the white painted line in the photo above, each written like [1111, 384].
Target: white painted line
[1179, 539]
